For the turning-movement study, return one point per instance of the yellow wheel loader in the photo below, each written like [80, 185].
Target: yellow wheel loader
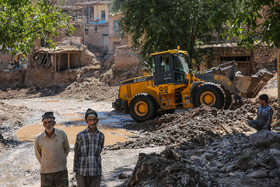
[172, 85]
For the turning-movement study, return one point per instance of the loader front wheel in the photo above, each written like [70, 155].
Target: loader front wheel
[228, 101]
[209, 94]
[142, 107]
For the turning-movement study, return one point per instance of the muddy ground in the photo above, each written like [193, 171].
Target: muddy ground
[203, 146]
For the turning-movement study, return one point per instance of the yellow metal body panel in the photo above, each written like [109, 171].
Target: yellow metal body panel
[163, 94]
[223, 79]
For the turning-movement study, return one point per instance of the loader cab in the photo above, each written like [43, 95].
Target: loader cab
[170, 67]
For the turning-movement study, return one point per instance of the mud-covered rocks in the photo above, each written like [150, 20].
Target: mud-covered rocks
[264, 138]
[202, 125]
[230, 160]
[258, 174]
[158, 170]
[10, 120]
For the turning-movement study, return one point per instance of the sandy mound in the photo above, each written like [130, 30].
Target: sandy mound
[90, 89]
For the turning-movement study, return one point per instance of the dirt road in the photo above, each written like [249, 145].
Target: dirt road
[19, 166]
[202, 140]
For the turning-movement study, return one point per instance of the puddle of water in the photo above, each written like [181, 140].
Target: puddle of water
[112, 135]
[74, 118]
[105, 119]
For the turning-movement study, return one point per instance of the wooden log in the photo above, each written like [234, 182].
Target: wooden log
[59, 58]
[68, 61]
[52, 60]
[54, 63]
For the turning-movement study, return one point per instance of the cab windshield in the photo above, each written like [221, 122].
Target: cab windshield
[180, 63]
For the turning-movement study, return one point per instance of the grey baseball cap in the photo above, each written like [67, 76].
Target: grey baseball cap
[48, 115]
[91, 113]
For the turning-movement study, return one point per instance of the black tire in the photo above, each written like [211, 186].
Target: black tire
[142, 107]
[228, 100]
[209, 94]
[169, 111]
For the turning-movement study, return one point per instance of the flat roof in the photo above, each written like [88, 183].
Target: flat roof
[58, 49]
[93, 3]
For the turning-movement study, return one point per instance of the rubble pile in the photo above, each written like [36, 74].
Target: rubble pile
[202, 124]
[11, 119]
[272, 83]
[231, 160]
[207, 147]
[161, 170]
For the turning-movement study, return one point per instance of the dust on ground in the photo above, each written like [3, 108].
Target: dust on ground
[88, 89]
[202, 146]
[18, 164]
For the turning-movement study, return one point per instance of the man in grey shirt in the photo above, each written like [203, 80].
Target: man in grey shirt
[51, 150]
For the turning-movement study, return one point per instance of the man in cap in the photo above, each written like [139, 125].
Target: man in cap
[88, 146]
[51, 150]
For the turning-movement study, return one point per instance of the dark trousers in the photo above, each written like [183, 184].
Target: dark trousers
[256, 124]
[57, 179]
[88, 181]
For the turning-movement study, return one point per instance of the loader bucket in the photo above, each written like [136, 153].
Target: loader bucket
[251, 86]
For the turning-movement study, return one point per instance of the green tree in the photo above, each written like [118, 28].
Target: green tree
[157, 25]
[257, 22]
[22, 21]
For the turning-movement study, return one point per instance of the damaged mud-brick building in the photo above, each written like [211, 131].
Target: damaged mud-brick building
[101, 27]
[50, 67]
[249, 61]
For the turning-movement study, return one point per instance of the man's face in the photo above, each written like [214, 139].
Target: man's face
[92, 121]
[262, 102]
[48, 124]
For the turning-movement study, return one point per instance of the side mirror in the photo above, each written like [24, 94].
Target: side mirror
[146, 64]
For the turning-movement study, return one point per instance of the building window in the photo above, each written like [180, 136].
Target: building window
[86, 14]
[235, 58]
[91, 13]
[116, 26]
[243, 63]
[103, 15]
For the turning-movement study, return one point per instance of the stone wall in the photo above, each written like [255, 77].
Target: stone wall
[79, 32]
[125, 59]
[265, 57]
[5, 58]
[36, 78]
[98, 36]
[249, 61]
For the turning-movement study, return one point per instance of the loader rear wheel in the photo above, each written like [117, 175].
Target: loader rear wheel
[142, 107]
[209, 94]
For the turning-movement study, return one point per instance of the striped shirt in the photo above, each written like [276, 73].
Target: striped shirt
[88, 147]
[265, 114]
